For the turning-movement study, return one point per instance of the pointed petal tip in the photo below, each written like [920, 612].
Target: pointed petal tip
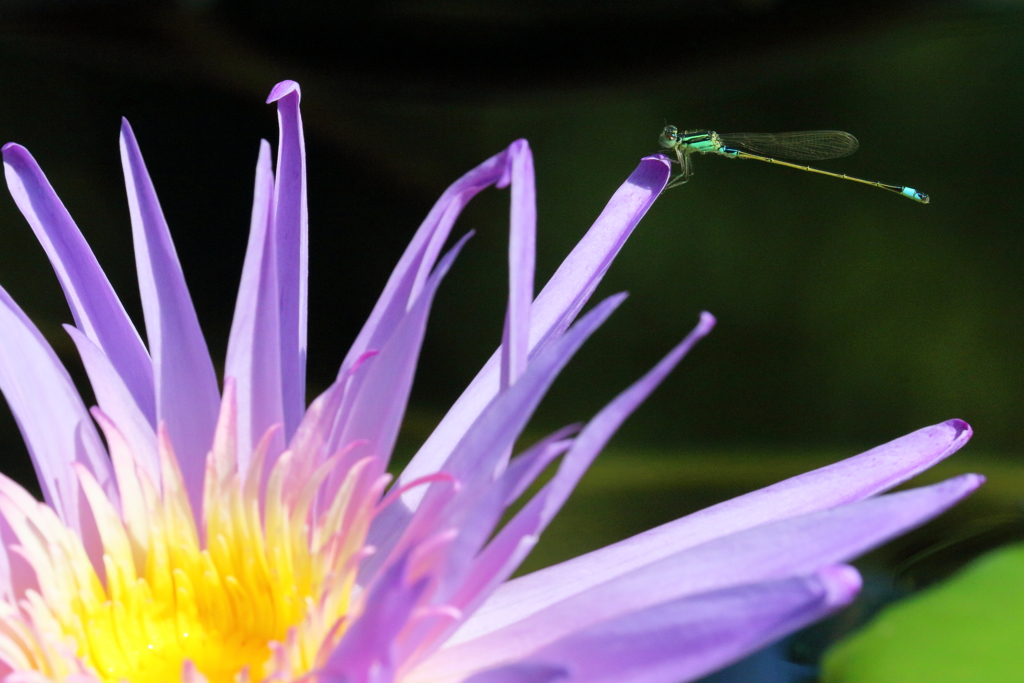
[969, 482]
[126, 130]
[957, 488]
[615, 300]
[284, 88]
[841, 583]
[13, 148]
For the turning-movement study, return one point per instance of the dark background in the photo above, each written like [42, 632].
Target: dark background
[847, 315]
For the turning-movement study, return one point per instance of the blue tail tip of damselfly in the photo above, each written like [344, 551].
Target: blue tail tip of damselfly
[915, 195]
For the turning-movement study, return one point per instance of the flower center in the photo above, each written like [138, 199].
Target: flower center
[264, 598]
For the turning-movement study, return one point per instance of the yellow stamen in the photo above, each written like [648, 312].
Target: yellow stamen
[260, 600]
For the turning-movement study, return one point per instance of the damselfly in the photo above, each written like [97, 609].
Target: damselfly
[771, 148]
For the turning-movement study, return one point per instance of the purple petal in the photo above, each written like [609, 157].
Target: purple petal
[94, 305]
[254, 358]
[554, 310]
[849, 480]
[291, 233]
[474, 460]
[505, 418]
[380, 388]
[510, 546]
[795, 546]
[117, 403]
[524, 672]
[408, 277]
[187, 399]
[477, 508]
[515, 341]
[458, 574]
[688, 638]
[50, 414]
[528, 465]
[365, 653]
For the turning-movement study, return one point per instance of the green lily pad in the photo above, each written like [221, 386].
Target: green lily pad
[968, 629]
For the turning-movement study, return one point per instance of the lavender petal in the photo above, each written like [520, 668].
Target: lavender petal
[50, 414]
[291, 234]
[690, 637]
[552, 312]
[187, 398]
[847, 481]
[254, 357]
[94, 304]
[789, 547]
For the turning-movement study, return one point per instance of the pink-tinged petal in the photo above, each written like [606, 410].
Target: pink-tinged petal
[116, 401]
[50, 414]
[458, 569]
[365, 653]
[847, 481]
[688, 638]
[6, 581]
[190, 674]
[555, 308]
[187, 399]
[291, 235]
[254, 356]
[379, 389]
[522, 242]
[94, 305]
[790, 547]
[474, 460]
[134, 511]
[16, 575]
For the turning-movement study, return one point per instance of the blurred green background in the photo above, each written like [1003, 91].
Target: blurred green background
[847, 316]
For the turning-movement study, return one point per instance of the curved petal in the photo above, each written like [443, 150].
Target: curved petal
[472, 575]
[94, 304]
[50, 414]
[522, 242]
[254, 357]
[796, 546]
[847, 481]
[552, 312]
[510, 545]
[187, 399]
[114, 398]
[688, 638]
[291, 238]
[379, 390]
[476, 457]
[365, 653]
[417, 261]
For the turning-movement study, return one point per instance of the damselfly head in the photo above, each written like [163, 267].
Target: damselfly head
[669, 137]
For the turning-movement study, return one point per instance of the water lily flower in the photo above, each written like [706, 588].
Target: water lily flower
[228, 533]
